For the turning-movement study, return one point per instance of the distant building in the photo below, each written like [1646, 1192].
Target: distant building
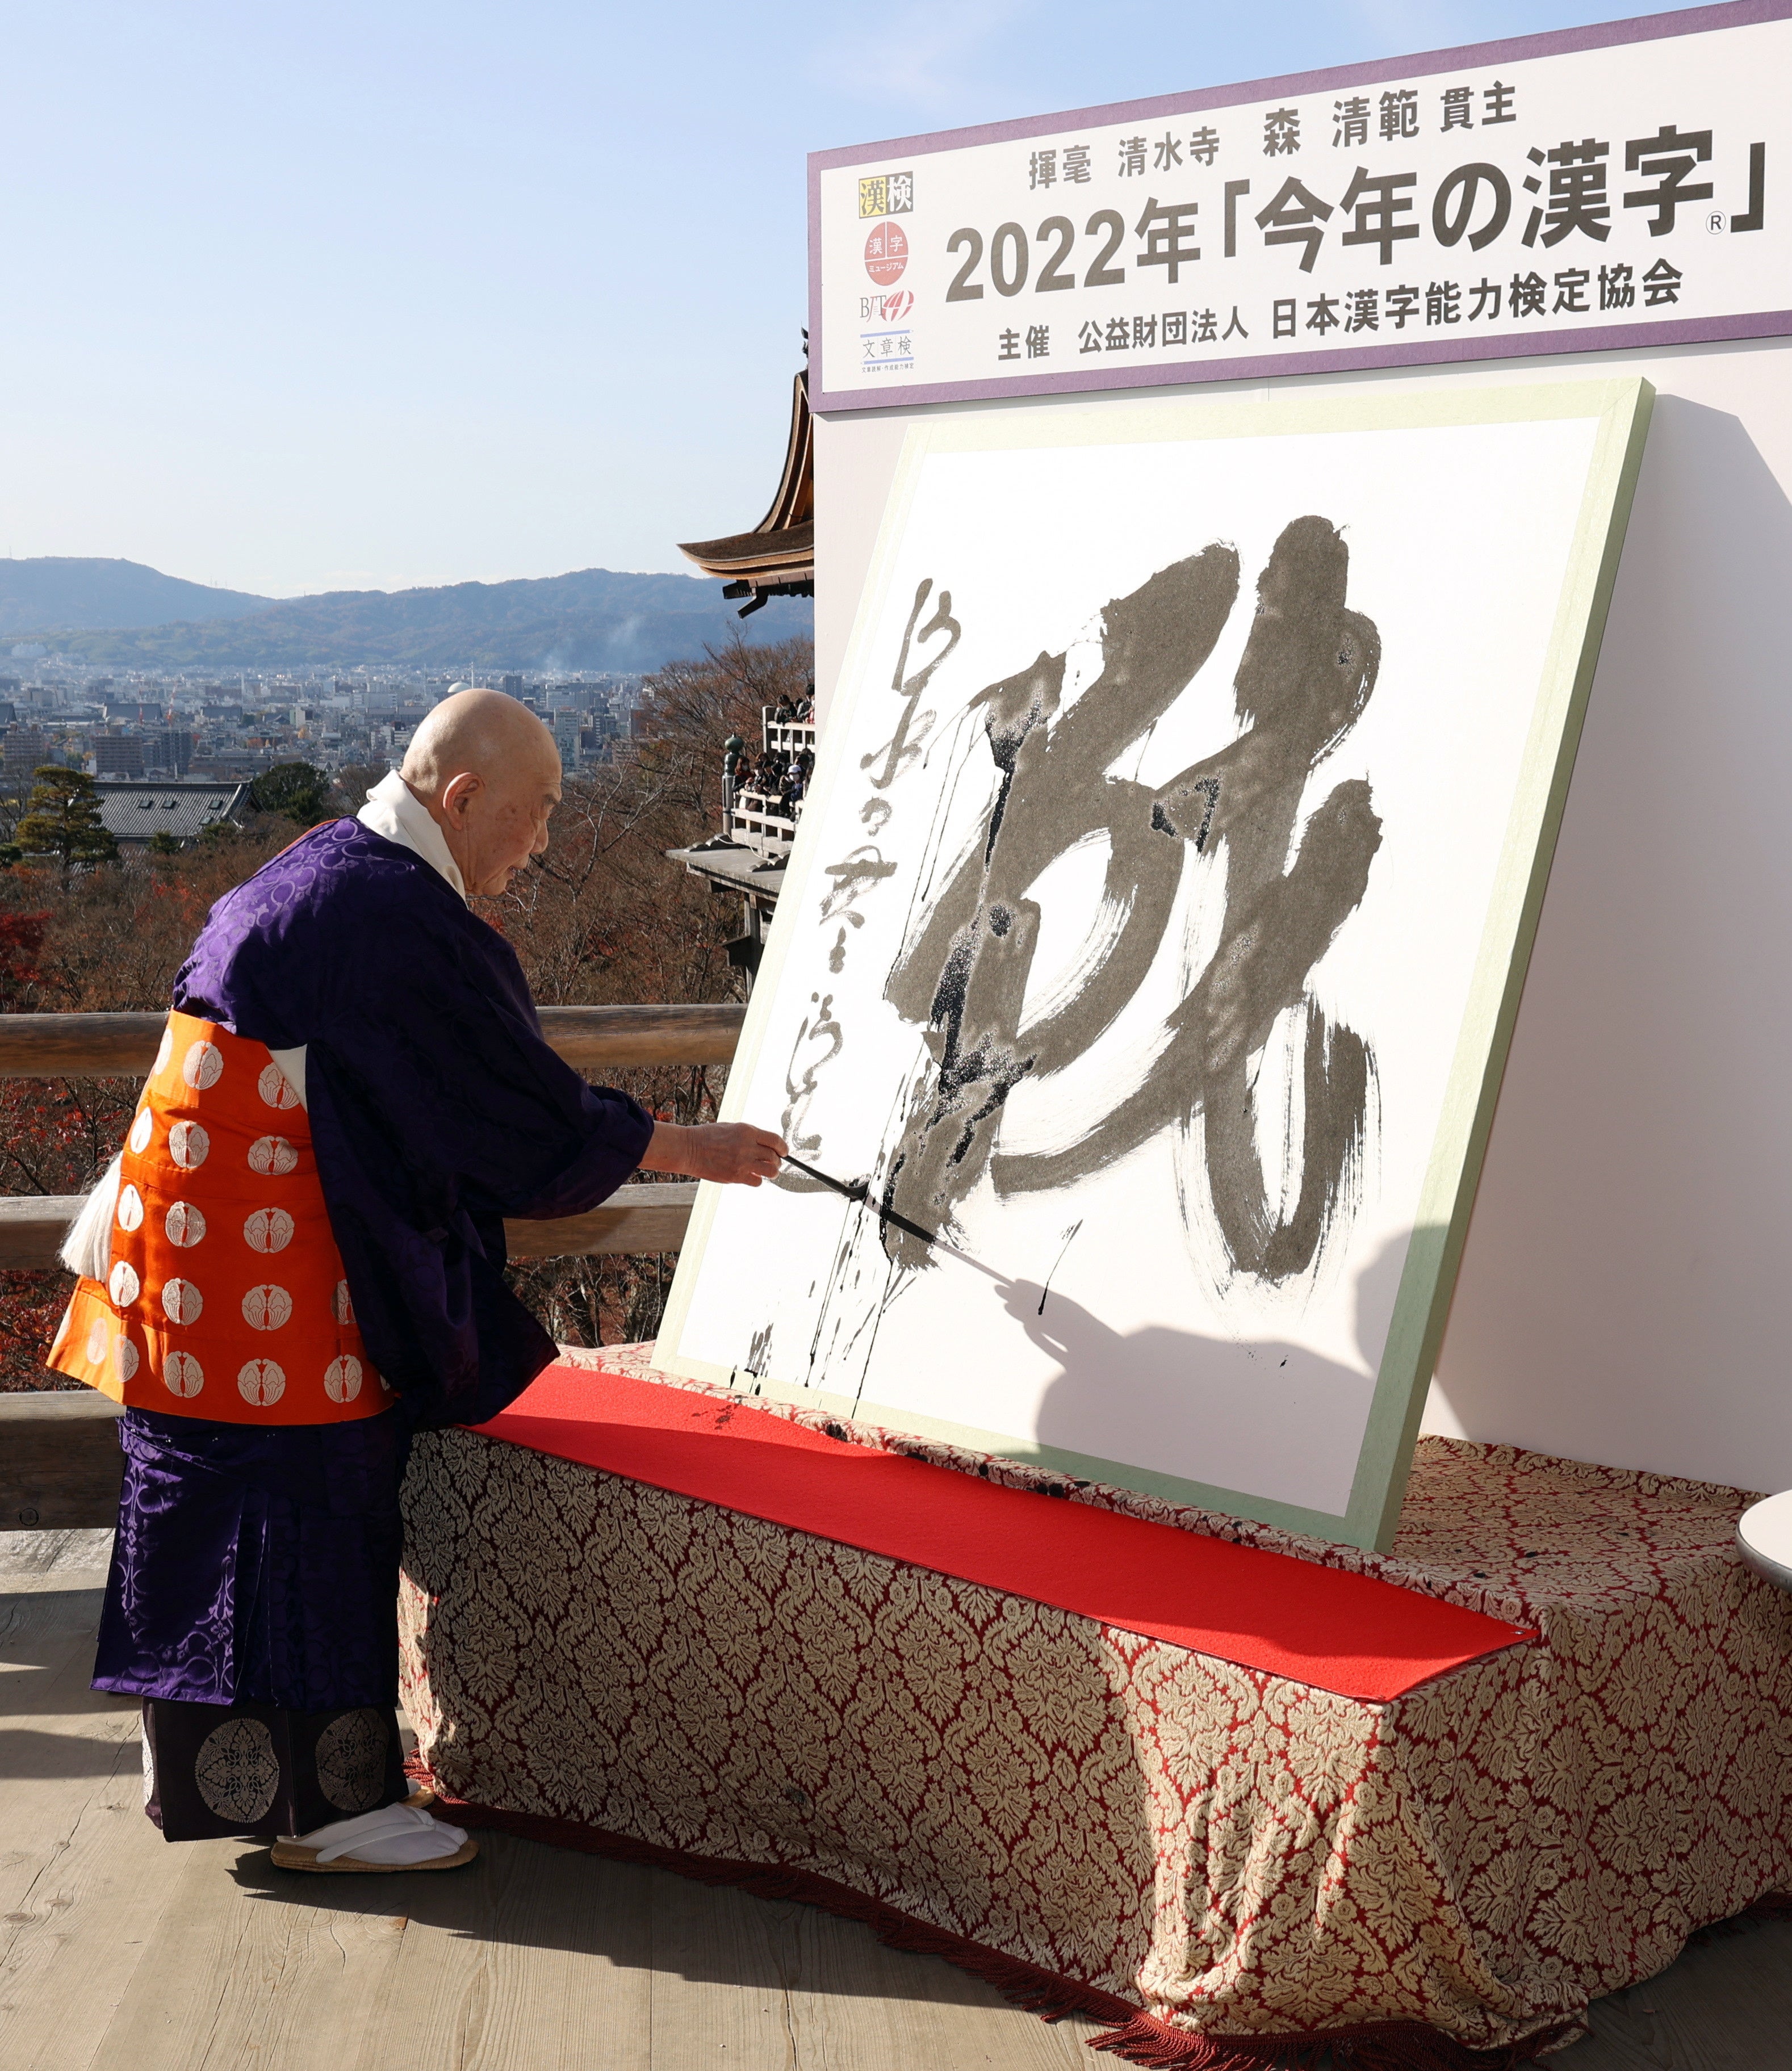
[510, 686]
[168, 750]
[24, 749]
[132, 810]
[118, 755]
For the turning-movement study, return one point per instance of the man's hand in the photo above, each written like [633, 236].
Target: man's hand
[733, 1152]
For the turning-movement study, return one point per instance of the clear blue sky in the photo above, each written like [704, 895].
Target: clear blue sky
[325, 296]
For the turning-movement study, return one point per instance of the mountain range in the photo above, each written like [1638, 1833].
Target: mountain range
[122, 615]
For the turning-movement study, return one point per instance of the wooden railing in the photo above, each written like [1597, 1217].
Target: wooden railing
[59, 1463]
[638, 1218]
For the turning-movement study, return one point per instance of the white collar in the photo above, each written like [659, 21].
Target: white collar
[395, 810]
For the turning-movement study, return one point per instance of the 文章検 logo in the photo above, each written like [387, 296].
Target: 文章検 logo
[887, 194]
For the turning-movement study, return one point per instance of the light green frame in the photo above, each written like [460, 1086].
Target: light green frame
[1422, 1305]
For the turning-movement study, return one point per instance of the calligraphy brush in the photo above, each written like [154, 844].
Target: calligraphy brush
[860, 1190]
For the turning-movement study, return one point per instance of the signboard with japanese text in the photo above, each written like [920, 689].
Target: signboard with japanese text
[1608, 187]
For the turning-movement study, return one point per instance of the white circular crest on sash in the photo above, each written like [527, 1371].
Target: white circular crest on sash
[273, 1088]
[202, 1066]
[341, 1378]
[97, 1343]
[341, 1307]
[130, 1208]
[268, 1229]
[237, 1770]
[272, 1155]
[261, 1382]
[164, 1051]
[126, 1355]
[266, 1307]
[181, 1302]
[182, 1375]
[123, 1284]
[185, 1225]
[142, 1130]
[189, 1145]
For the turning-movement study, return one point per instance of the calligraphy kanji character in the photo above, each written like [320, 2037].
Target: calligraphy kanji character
[1352, 117]
[1399, 115]
[1667, 159]
[1375, 203]
[1297, 866]
[1281, 131]
[1293, 218]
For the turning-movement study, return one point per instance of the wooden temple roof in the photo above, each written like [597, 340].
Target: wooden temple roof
[777, 557]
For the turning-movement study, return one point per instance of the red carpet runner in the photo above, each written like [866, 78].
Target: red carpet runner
[1346, 1633]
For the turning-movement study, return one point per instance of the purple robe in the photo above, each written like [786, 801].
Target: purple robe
[437, 1107]
[262, 1564]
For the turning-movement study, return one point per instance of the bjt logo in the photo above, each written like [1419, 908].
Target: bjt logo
[885, 309]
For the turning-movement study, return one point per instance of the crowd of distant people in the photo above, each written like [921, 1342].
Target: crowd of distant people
[775, 772]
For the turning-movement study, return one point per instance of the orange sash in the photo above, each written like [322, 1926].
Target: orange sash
[227, 1298]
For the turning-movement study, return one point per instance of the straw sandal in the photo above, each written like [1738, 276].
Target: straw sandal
[332, 1849]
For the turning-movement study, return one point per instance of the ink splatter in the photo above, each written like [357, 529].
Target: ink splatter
[1307, 673]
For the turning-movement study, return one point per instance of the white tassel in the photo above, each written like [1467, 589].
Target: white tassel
[87, 1249]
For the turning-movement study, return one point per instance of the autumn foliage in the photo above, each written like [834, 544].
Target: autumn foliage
[603, 918]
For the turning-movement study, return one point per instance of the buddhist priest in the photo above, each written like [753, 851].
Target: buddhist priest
[297, 1262]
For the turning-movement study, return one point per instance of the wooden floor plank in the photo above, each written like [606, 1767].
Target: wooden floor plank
[857, 2005]
[1725, 2006]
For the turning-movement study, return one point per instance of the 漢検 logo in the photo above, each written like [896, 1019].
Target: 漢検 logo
[886, 253]
[887, 194]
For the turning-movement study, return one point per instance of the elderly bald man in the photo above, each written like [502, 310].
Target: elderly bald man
[297, 1261]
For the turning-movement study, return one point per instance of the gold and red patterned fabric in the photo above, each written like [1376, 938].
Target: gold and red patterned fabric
[226, 1298]
[1247, 1859]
